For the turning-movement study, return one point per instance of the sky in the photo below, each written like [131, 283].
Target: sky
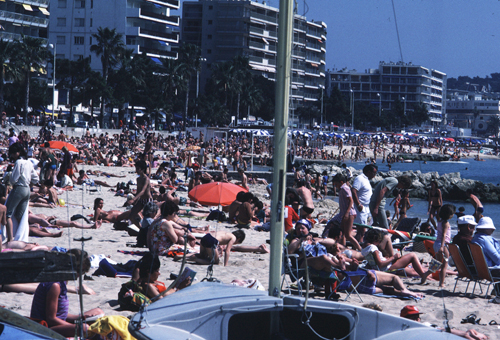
[457, 37]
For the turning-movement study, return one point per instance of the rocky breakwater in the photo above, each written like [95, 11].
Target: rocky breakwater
[424, 157]
[452, 185]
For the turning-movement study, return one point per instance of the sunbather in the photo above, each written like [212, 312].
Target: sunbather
[111, 216]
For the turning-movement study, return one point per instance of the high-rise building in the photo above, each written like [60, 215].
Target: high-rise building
[147, 26]
[227, 28]
[408, 83]
[28, 17]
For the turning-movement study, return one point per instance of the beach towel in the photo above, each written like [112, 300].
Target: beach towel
[115, 270]
[113, 327]
[398, 297]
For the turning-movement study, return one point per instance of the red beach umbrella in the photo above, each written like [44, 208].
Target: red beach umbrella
[449, 139]
[215, 193]
[57, 144]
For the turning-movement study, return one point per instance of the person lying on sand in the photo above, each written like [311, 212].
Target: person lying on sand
[110, 216]
[83, 178]
[18, 246]
[30, 288]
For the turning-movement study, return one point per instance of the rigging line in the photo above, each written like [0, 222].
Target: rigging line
[397, 29]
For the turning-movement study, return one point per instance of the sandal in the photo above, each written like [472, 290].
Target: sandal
[493, 323]
[471, 318]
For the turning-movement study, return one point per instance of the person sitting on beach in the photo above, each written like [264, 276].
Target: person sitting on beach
[50, 302]
[244, 217]
[412, 313]
[490, 245]
[110, 216]
[466, 226]
[210, 246]
[181, 200]
[476, 203]
[46, 196]
[232, 209]
[373, 237]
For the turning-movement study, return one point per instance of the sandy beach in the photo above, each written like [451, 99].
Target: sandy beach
[109, 242]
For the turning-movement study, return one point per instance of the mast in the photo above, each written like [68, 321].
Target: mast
[284, 60]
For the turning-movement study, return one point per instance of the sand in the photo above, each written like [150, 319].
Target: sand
[241, 265]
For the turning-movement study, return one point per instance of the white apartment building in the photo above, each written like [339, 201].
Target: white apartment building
[467, 109]
[227, 28]
[147, 26]
[405, 82]
[28, 17]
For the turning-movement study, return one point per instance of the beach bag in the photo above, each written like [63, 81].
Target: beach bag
[217, 215]
[131, 296]
[313, 250]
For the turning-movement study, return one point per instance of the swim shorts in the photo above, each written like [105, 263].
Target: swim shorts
[208, 241]
[308, 210]
[366, 286]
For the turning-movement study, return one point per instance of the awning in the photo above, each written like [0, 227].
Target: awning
[156, 60]
[27, 7]
[49, 113]
[44, 11]
[162, 43]
[139, 113]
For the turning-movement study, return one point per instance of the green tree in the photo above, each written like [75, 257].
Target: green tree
[494, 125]
[109, 47]
[190, 64]
[30, 57]
[251, 97]
[6, 49]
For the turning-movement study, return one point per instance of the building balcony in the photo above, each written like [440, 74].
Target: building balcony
[157, 17]
[262, 47]
[163, 36]
[153, 52]
[264, 33]
[261, 61]
[174, 4]
[298, 54]
[38, 3]
[23, 19]
[262, 17]
[7, 36]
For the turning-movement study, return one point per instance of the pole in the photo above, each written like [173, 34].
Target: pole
[321, 106]
[284, 59]
[252, 153]
[54, 83]
[352, 111]
[379, 104]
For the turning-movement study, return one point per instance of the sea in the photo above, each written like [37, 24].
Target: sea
[485, 171]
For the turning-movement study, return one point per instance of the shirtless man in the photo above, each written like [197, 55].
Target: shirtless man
[46, 195]
[143, 195]
[244, 179]
[306, 196]
[210, 246]
[476, 203]
[148, 152]
[83, 177]
[3, 221]
[181, 200]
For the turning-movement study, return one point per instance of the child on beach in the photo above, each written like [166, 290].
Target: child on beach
[347, 211]
[404, 205]
[396, 200]
[442, 238]
[143, 195]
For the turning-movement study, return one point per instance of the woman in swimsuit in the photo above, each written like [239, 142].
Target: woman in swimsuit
[435, 202]
[111, 216]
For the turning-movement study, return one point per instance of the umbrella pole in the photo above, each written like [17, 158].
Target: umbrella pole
[252, 153]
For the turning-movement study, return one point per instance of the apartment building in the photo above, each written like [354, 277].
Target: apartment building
[28, 17]
[227, 28]
[147, 26]
[406, 82]
[471, 109]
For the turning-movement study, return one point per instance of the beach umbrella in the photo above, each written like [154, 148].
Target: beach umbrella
[215, 193]
[261, 133]
[449, 139]
[57, 144]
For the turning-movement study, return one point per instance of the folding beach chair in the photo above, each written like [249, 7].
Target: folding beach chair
[483, 272]
[464, 273]
[346, 285]
[290, 268]
[90, 187]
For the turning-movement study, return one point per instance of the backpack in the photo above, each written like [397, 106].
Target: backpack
[131, 296]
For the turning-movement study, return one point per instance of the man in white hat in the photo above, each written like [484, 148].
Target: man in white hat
[466, 226]
[490, 245]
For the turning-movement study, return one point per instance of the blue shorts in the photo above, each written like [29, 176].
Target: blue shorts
[366, 286]
[53, 167]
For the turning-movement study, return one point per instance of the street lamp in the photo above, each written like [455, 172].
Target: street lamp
[198, 87]
[322, 88]
[352, 109]
[54, 47]
[404, 99]
[379, 104]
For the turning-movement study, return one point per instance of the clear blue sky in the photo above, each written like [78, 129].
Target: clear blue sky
[458, 37]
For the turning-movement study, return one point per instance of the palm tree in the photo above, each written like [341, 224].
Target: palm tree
[109, 47]
[190, 63]
[30, 56]
[252, 96]
[171, 80]
[6, 48]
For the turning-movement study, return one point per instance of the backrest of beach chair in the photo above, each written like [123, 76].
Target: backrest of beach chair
[409, 224]
[429, 245]
[463, 270]
[483, 272]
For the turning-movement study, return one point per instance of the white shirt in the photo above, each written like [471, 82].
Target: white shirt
[364, 189]
[23, 174]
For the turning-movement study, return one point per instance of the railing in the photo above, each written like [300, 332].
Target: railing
[169, 54]
[14, 36]
[171, 36]
[11, 16]
[171, 19]
[262, 46]
[43, 3]
[264, 17]
[260, 31]
[174, 3]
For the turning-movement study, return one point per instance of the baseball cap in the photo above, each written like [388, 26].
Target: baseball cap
[467, 219]
[485, 223]
[409, 310]
[305, 222]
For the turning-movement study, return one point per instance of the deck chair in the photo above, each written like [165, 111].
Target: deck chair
[429, 245]
[290, 268]
[464, 274]
[373, 265]
[483, 272]
[90, 187]
[319, 277]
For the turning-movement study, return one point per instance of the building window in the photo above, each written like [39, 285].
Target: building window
[91, 3]
[91, 22]
[80, 4]
[210, 7]
[61, 40]
[61, 4]
[79, 40]
[79, 22]
[77, 56]
[209, 37]
[209, 51]
[60, 56]
[61, 22]
[210, 22]
[90, 40]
